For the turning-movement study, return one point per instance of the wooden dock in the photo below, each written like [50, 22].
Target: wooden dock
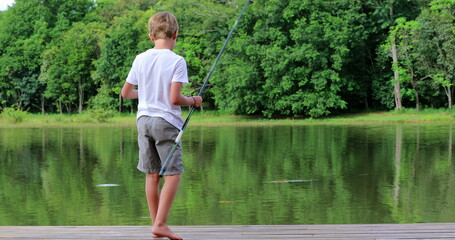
[326, 232]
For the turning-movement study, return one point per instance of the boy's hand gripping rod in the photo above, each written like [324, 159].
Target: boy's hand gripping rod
[179, 137]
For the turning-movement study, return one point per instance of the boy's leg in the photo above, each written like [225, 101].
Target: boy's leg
[164, 135]
[170, 187]
[152, 192]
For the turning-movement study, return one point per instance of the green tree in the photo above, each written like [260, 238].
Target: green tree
[25, 32]
[23, 67]
[119, 48]
[382, 15]
[72, 10]
[436, 51]
[23, 36]
[292, 55]
[286, 58]
[204, 26]
[106, 11]
[403, 36]
[68, 64]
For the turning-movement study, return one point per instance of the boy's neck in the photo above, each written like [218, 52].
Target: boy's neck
[164, 44]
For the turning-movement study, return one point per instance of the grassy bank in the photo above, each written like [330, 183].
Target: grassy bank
[214, 118]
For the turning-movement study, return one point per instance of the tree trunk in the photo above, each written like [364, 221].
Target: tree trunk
[448, 91]
[42, 105]
[68, 107]
[60, 107]
[81, 97]
[449, 96]
[396, 88]
[416, 92]
[120, 102]
[417, 100]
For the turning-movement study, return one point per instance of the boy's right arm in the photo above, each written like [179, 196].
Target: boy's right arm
[128, 91]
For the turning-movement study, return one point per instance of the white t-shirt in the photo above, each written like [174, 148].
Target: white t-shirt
[153, 71]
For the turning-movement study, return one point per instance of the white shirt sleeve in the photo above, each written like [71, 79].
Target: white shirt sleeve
[181, 72]
[132, 75]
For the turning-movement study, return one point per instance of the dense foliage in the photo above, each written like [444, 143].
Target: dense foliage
[287, 57]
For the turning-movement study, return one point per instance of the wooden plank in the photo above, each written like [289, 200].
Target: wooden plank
[314, 232]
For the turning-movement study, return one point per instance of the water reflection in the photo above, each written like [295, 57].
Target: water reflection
[234, 175]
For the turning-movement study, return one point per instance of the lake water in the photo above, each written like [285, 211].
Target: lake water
[234, 175]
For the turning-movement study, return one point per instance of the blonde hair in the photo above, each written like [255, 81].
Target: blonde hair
[163, 25]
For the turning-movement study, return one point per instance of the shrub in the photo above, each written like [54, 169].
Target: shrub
[102, 115]
[102, 105]
[14, 115]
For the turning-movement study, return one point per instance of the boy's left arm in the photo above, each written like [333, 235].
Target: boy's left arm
[178, 99]
[128, 91]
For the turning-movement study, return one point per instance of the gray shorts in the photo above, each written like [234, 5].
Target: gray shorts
[156, 137]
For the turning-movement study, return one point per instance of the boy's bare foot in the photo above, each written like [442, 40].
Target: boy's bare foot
[164, 231]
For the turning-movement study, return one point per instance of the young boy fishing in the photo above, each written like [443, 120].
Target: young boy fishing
[159, 74]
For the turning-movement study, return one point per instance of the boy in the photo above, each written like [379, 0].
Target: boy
[159, 74]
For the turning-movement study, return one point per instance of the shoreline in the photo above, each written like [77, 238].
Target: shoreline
[215, 119]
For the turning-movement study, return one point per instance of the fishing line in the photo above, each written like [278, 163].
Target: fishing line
[179, 136]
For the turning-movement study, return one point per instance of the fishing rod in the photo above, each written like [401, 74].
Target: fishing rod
[179, 136]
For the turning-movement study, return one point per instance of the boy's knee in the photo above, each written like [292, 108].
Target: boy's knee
[174, 177]
[153, 176]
